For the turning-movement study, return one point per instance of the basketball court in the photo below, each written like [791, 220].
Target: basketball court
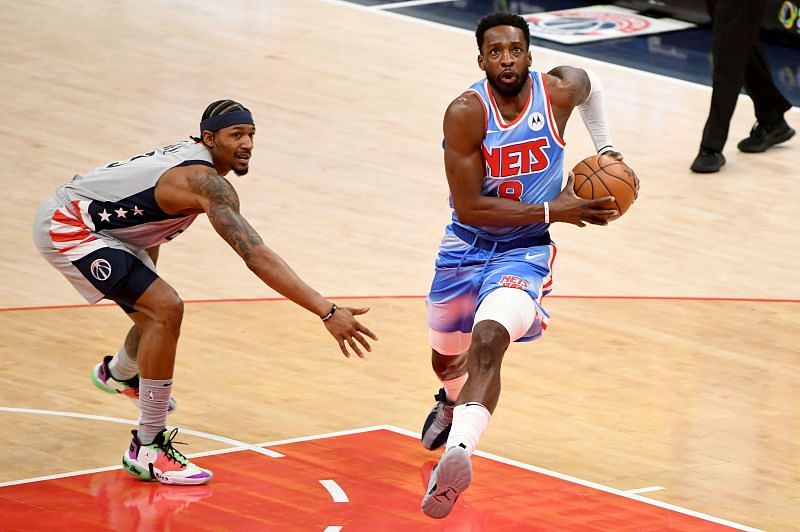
[662, 397]
[365, 479]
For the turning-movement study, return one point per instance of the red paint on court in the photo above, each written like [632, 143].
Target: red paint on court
[382, 472]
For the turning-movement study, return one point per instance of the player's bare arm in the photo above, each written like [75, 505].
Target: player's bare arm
[464, 124]
[568, 87]
[205, 190]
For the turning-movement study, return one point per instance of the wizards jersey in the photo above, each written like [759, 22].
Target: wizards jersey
[524, 159]
[118, 200]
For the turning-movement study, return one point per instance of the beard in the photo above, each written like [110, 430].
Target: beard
[507, 90]
[241, 171]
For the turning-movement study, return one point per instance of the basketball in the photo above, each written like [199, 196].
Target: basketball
[598, 176]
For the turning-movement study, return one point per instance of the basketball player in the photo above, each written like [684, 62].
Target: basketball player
[504, 160]
[102, 231]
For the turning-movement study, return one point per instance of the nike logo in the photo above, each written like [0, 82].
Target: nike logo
[529, 256]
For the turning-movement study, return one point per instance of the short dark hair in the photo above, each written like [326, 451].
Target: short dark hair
[220, 107]
[502, 19]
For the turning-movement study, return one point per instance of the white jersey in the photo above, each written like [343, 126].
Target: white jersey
[118, 200]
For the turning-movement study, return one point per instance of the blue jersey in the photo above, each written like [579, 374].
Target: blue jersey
[524, 159]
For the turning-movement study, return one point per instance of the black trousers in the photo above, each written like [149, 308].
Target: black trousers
[739, 60]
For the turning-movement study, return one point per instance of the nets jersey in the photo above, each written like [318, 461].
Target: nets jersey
[118, 200]
[523, 159]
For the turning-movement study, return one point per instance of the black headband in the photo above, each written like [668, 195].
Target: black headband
[214, 123]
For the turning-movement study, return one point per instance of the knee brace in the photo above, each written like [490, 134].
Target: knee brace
[512, 308]
[450, 344]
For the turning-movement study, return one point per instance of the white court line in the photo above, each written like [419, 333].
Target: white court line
[199, 434]
[111, 468]
[59, 475]
[593, 485]
[332, 528]
[409, 3]
[398, 430]
[241, 446]
[336, 491]
[330, 435]
[567, 55]
[645, 490]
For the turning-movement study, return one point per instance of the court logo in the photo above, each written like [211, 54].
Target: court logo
[536, 121]
[101, 269]
[512, 281]
[597, 23]
[587, 22]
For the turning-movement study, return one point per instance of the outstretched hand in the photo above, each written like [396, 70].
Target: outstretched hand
[569, 208]
[349, 331]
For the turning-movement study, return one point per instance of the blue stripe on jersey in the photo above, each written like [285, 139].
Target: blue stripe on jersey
[137, 209]
[140, 208]
[524, 159]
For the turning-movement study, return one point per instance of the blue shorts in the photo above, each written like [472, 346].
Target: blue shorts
[465, 275]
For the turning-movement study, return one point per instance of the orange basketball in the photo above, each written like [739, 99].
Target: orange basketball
[598, 176]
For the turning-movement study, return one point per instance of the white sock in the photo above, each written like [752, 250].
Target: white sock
[122, 366]
[453, 386]
[153, 404]
[469, 422]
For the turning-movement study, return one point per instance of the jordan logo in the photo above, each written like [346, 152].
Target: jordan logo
[445, 495]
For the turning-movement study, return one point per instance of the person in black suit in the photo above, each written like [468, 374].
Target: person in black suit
[739, 60]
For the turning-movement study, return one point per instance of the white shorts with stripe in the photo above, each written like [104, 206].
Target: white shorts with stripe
[63, 234]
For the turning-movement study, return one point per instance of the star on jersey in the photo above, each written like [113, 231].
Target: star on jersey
[105, 216]
[137, 211]
[121, 212]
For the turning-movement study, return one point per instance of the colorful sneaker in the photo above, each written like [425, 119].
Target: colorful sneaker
[449, 479]
[101, 377]
[437, 425]
[162, 462]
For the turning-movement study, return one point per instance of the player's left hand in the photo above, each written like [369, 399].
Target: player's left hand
[615, 154]
[618, 156]
[349, 331]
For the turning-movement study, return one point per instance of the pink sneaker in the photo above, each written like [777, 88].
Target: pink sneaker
[162, 462]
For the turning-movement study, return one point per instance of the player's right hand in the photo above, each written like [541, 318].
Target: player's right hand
[349, 331]
[569, 208]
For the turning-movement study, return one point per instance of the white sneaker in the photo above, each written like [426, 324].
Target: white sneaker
[449, 479]
[162, 462]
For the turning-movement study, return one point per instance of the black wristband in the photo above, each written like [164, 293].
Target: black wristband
[330, 314]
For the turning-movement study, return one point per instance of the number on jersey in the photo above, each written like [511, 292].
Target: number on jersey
[510, 190]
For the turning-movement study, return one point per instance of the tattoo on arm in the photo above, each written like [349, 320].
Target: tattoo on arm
[223, 213]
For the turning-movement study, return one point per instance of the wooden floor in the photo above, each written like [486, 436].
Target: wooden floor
[667, 383]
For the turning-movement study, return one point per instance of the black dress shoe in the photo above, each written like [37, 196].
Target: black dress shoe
[764, 137]
[707, 162]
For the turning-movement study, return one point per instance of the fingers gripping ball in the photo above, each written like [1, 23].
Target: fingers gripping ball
[598, 176]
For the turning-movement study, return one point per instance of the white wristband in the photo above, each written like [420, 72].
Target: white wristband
[547, 212]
